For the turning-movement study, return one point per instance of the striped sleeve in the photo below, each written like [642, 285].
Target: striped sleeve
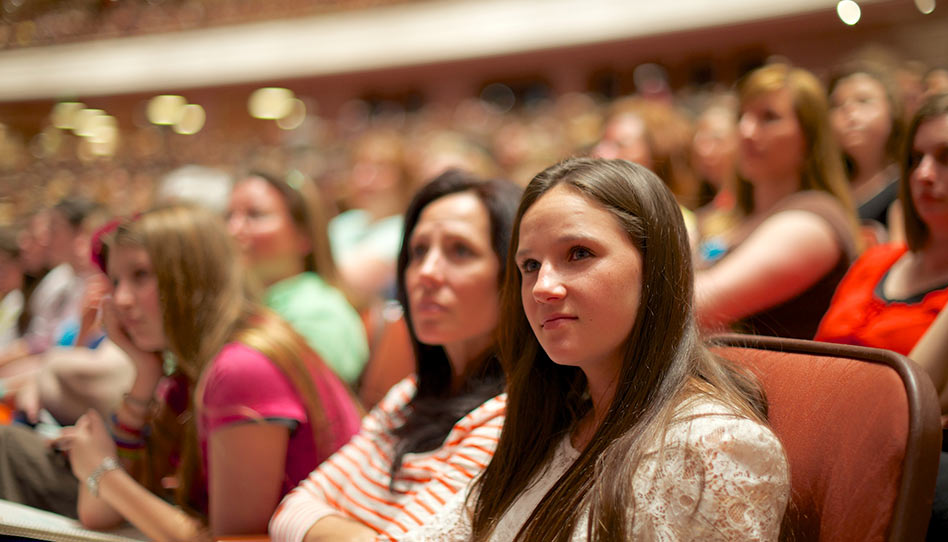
[448, 470]
[356, 482]
[327, 490]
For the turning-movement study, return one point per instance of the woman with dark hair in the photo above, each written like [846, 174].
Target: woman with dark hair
[435, 430]
[895, 293]
[281, 228]
[867, 120]
[620, 424]
[775, 272]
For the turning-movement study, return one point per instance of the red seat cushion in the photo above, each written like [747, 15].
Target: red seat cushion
[844, 426]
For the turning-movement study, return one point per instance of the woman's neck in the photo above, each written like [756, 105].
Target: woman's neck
[602, 390]
[934, 256]
[271, 276]
[462, 354]
[869, 179]
[770, 193]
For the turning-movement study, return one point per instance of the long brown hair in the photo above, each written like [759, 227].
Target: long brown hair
[917, 231]
[664, 363]
[822, 167]
[207, 302]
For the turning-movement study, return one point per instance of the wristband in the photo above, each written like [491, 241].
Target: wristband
[107, 464]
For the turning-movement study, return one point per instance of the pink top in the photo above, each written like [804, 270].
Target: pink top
[242, 385]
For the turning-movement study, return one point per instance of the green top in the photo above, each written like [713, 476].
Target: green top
[322, 315]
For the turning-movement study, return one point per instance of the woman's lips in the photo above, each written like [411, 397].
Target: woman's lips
[428, 307]
[556, 321]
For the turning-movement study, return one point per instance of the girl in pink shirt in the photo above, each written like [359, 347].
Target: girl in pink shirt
[248, 410]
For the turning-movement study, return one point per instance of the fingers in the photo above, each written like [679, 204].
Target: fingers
[64, 442]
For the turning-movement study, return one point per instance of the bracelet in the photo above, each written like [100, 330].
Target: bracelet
[127, 429]
[107, 464]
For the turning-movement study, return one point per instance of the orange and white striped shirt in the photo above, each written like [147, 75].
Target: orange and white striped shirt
[354, 482]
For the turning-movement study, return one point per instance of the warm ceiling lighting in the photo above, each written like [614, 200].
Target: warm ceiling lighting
[270, 103]
[848, 11]
[165, 109]
[294, 119]
[85, 121]
[925, 6]
[64, 114]
[191, 121]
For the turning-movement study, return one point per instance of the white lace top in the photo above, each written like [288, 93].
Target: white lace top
[732, 467]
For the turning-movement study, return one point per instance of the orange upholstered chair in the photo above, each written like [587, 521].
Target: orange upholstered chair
[862, 434]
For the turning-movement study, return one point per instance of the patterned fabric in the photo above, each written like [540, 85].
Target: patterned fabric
[721, 477]
[354, 482]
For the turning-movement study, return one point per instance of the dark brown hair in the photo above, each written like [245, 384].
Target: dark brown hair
[664, 363]
[893, 145]
[916, 230]
[434, 409]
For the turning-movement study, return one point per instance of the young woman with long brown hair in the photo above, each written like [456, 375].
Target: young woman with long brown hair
[620, 424]
[246, 414]
[775, 272]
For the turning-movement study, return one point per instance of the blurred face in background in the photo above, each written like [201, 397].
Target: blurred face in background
[259, 220]
[929, 175]
[714, 148]
[136, 296]
[62, 240]
[34, 243]
[772, 143]
[860, 116]
[452, 274]
[625, 137]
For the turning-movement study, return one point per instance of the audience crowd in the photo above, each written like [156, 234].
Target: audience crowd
[460, 324]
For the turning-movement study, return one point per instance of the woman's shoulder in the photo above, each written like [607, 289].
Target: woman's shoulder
[240, 367]
[399, 395]
[877, 260]
[710, 426]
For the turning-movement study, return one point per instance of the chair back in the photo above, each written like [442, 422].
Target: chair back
[862, 433]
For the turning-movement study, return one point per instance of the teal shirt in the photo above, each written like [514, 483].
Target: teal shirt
[322, 315]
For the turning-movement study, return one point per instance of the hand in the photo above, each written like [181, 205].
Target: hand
[88, 444]
[97, 287]
[28, 401]
[146, 363]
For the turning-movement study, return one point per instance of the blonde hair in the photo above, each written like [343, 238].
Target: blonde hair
[206, 302]
[822, 167]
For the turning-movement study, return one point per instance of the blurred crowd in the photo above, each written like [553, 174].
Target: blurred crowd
[800, 199]
[27, 23]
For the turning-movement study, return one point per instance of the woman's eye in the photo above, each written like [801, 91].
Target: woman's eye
[417, 251]
[461, 250]
[529, 266]
[579, 253]
[941, 156]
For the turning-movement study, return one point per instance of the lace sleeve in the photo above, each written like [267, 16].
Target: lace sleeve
[452, 523]
[726, 478]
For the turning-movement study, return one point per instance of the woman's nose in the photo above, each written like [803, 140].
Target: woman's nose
[122, 295]
[548, 286]
[925, 170]
[430, 270]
